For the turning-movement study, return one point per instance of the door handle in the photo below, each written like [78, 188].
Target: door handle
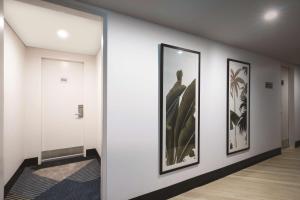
[80, 111]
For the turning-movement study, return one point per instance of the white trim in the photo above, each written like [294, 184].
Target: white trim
[291, 104]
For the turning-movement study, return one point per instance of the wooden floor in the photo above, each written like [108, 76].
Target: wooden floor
[275, 179]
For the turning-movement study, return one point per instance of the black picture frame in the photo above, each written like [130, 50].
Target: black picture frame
[161, 99]
[227, 102]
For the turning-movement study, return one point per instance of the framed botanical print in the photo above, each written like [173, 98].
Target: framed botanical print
[179, 108]
[238, 106]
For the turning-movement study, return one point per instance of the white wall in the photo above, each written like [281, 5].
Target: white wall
[297, 102]
[14, 55]
[99, 100]
[33, 98]
[133, 106]
[1, 98]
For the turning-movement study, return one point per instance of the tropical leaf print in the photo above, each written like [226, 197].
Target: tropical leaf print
[180, 121]
[238, 90]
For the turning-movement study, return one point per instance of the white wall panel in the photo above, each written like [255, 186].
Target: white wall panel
[14, 65]
[1, 98]
[297, 102]
[99, 101]
[133, 106]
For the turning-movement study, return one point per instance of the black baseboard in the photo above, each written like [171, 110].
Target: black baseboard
[26, 163]
[198, 181]
[297, 144]
[92, 153]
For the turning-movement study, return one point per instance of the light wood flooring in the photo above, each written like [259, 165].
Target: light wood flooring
[275, 179]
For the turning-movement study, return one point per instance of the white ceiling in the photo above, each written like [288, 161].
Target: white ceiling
[37, 25]
[234, 22]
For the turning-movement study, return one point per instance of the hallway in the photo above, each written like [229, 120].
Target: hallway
[274, 179]
[149, 100]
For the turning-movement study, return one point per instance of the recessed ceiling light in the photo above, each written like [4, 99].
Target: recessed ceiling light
[271, 15]
[62, 34]
[179, 52]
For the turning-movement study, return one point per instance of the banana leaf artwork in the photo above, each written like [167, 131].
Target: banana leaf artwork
[238, 108]
[179, 109]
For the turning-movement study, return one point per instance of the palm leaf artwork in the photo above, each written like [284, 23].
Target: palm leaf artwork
[180, 121]
[245, 69]
[234, 119]
[238, 84]
[242, 123]
[244, 92]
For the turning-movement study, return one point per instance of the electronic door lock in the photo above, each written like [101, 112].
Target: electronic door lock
[80, 111]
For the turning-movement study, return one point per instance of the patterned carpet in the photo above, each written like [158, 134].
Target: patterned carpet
[74, 181]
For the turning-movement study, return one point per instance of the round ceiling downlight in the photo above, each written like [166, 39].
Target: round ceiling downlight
[62, 34]
[271, 15]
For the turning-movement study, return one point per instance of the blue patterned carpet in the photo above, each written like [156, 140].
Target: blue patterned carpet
[74, 181]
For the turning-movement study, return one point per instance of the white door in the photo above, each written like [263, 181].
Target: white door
[285, 107]
[62, 93]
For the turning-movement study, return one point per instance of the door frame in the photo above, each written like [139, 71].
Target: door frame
[291, 105]
[283, 68]
[84, 7]
[102, 13]
[1, 97]
[42, 102]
